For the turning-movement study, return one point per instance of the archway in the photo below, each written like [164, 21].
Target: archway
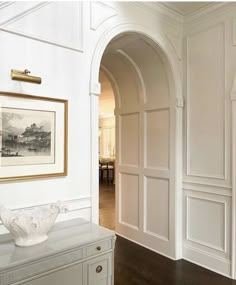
[148, 136]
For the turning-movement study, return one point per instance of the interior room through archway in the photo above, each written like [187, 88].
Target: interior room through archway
[106, 153]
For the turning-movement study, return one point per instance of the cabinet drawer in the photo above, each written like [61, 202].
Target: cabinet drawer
[40, 267]
[69, 276]
[98, 248]
[98, 270]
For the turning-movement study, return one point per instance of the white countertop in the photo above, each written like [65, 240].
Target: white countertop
[63, 237]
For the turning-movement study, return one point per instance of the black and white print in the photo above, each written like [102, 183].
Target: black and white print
[26, 136]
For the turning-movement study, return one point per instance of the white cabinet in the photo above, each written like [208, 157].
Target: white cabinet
[66, 276]
[98, 271]
[76, 253]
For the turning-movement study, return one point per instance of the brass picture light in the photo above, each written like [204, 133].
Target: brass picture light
[24, 76]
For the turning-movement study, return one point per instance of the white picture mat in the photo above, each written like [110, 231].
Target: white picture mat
[37, 104]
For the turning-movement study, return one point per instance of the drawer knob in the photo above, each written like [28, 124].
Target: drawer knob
[99, 248]
[99, 269]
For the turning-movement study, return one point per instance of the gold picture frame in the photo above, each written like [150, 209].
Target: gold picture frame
[33, 137]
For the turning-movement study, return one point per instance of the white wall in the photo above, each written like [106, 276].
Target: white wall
[57, 41]
[210, 66]
[23, 39]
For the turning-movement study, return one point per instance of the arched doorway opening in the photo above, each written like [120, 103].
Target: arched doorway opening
[106, 153]
[146, 141]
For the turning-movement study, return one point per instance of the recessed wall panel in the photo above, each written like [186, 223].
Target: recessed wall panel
[157, 139]
[129, 200]
[129, 138]
[206, 222]
[157, 207]
[30, 24]
[206, 103]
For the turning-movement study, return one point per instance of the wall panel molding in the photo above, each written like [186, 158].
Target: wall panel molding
[80, 207]
[218, 31]
[211, 235]
[234, 31]
[17, 24]
[22, 13]
[5, 4]
[129, 142]
[99, 13]
[13, 11]
[198, 241]
[160, 190]
[233, 98]
[208, 188]
[129, 190]
[157, 139]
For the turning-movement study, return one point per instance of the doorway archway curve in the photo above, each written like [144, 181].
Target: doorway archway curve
[161, 42]
[174, 78]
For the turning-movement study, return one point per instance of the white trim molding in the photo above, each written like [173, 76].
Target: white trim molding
[233, 98]
[75, 208]
[234, 31]
[95, 88]
[5, 26]
[175, 82]
[194, 240]
[206, 251]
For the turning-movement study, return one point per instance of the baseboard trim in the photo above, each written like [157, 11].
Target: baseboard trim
[145, 246]
[208, 261]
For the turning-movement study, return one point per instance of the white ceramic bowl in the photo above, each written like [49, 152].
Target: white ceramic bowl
[30, 227]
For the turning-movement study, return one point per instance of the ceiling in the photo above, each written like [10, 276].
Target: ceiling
[186, 8]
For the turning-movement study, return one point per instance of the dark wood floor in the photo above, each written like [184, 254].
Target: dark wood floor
[136, 265]
[107, 205]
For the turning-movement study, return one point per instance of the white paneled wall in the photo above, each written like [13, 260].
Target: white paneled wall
[205, 85]
[207, 201]
[129, 139]
[129, 194]
[156, 207]
[157, 139]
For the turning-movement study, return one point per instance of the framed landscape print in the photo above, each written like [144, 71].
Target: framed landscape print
[33, 136]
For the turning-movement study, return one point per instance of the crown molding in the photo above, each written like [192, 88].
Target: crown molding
[161, 11]
[207, 11]
[172, 16]
[178, 11]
